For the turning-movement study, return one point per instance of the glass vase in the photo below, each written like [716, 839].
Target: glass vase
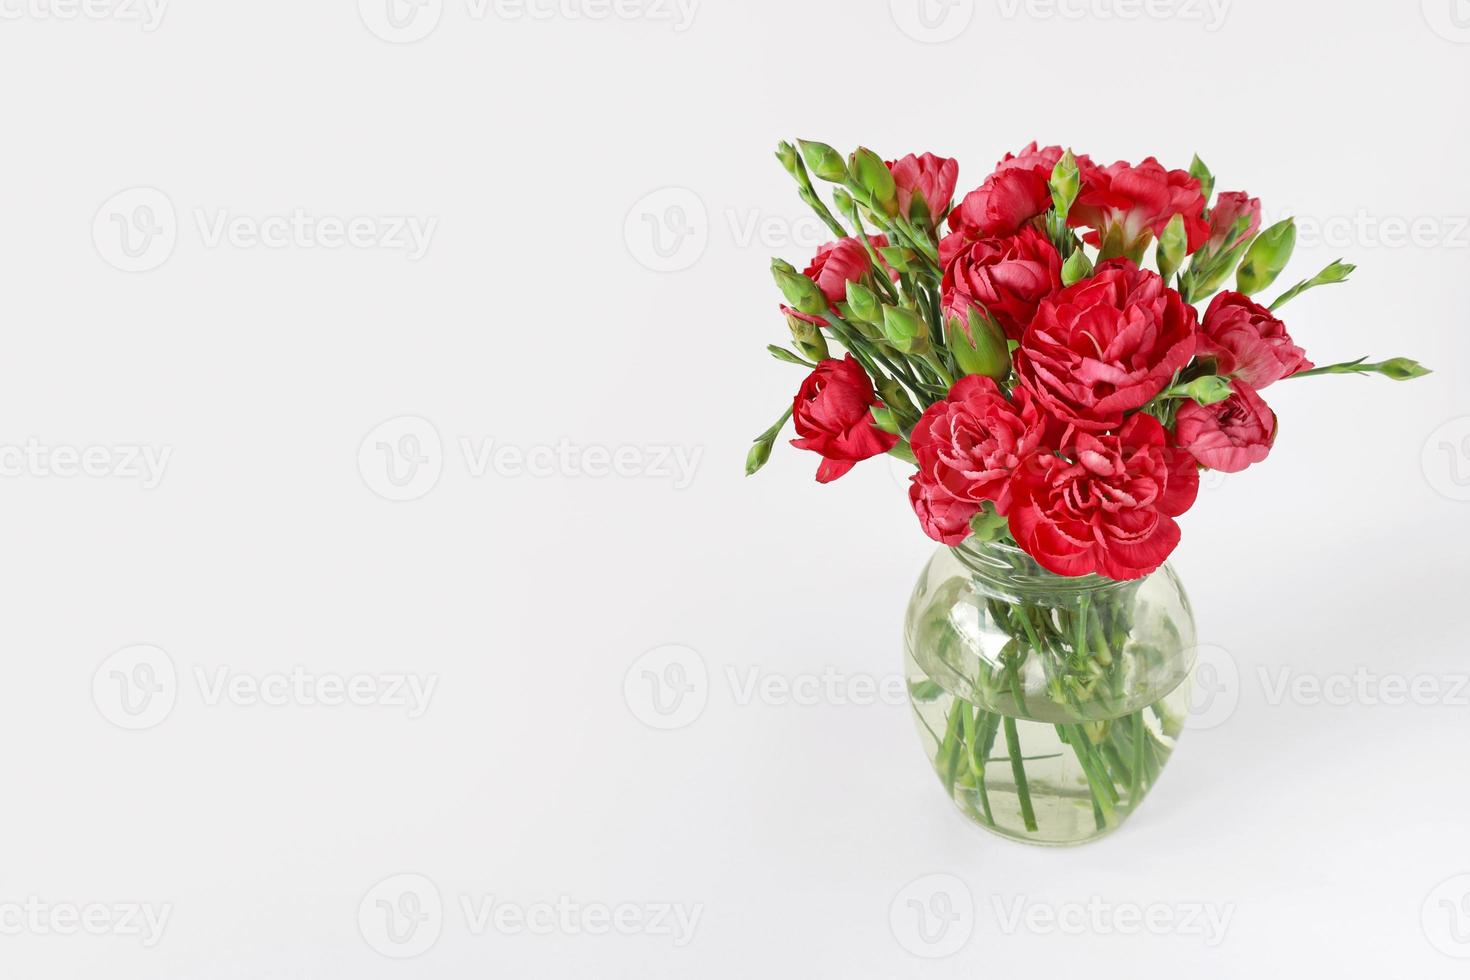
[1047, 705]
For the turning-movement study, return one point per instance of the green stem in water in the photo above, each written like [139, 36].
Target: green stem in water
[1018, 770]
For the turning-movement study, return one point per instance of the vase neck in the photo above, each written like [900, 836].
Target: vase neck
[1007, 571]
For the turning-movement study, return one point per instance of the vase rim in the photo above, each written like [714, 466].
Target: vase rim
[1007, 564]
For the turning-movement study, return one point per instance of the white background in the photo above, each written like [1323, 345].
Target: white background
[558, 304]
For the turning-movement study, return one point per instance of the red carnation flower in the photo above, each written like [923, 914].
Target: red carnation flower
[1007, 277]
[1249, 342]
[1107, 504]
[1125, 204]
[1106, 345]
[1011, 196]
[833, 416]
[1230, 435]
[1230, 207]
[834, 266]
[967, 445]
[928, 177]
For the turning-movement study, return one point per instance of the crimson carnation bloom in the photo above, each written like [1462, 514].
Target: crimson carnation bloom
[944, 518]
[1108, 505]
[1007, 277]
[1106, 345]
[1015, 193]
[834, 266]
[1248, 342]
[929, 177]
[1230, 435]
[1230, 207]
[832, 412]
[1124, 204]
[967, 445]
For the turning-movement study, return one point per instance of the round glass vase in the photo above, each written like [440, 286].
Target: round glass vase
[1047, 705]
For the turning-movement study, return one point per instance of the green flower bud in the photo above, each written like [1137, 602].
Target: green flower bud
[808, 338]
[872, 175]
[823, 161]
[799, 290]
[1402, 369]
[1201, 173]
[759, 453]
[846, 206]
[898, 400]
[1065, 181]
[1077, 268]
[1209, 390]
[1173, 243]
[863, 303]
[1266, 257]
[896, 256]
[905, 330]
[987, 525]
[979, 346]
[786, 153]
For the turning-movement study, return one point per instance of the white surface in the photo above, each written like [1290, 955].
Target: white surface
[1330, 834]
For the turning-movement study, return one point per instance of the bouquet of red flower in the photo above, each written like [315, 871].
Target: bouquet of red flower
[1058, 393]
[1046, 383]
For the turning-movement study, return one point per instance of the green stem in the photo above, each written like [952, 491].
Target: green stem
[1018, 770]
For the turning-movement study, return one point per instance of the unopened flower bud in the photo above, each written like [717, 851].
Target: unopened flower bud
[1077, 268]
[808, 338]
[1065, 181]
[979, 345]
[823, 161]
[905, 330]
[803, 294]
[1266, 257]
[863, 303]
[1201, 173]
[871, 174]
[1173, 244]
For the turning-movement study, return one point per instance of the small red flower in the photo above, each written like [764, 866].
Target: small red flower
[929, 177]
[1248, 342]
[1230, 435]
[1124, 204]
[833, 416]
[1007, 277]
